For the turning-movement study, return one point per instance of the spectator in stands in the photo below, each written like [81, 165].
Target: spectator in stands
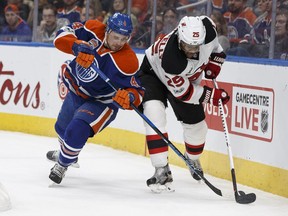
[281, 35]
[142, 38]
[41, 4]
[70, 11]
[91, 14]
[261, 32]
[262, 25]
[2, 14]
[282, 5]
[140, 9]
[159, 27]
[49, 24]
[160, 8]
[120, 6]
[221, 28]
[260, 7]
[170, 20]
[178, 3]
[106, 4]
[16, 29]
[240, 19]
[219, 5]
[23, 8]
[96, 6]
[57, 3]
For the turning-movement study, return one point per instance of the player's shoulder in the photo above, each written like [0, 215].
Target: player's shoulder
[210, 28]
[207, 21]
[94, 23]
[97, 27]
[126, 60]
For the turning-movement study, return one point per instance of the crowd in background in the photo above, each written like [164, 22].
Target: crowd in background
[244, 26]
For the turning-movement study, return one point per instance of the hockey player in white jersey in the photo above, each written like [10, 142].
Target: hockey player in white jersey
[172, 70]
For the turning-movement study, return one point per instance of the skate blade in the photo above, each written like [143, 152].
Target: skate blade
[75, 165]
[52, 184]
[158, 188]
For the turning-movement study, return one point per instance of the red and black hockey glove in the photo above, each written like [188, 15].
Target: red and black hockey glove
[84, 53]
[123, 98]
[212, 95]
[214, 65]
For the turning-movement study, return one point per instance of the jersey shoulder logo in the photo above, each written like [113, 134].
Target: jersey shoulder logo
[133, 82]
[77, 25]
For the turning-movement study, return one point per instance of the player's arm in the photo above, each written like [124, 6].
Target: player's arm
[72, 39]
[194, 93]
[124, 97]
[214, 65]
[217, 56]
[127, 78]
[197, 94]
[65, 38]
[67, 35]
[129, 92]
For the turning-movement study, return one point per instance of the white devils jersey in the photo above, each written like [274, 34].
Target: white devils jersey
[179, 74]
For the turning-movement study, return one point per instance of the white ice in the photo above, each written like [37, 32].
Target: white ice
[112, 182]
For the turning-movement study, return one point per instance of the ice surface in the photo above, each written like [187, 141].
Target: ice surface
[111, 182]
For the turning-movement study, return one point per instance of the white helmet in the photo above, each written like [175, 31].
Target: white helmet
[191, 30]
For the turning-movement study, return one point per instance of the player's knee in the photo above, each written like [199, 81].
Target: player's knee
[77, 133]
[59, 130]
[195, 133]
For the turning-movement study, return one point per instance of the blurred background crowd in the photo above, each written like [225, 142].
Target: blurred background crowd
[248, 28]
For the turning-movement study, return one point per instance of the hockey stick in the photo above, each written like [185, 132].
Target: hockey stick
[169, 143]
[240, 196]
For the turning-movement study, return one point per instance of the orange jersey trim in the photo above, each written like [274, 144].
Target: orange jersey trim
[98, 125]
[120, 59]
[65, 43]
[97, 28]
[75, 86]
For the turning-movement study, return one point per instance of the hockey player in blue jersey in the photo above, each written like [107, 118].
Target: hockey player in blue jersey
[91, 104]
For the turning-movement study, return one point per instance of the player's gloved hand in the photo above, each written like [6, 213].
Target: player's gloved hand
[84, 53]
[214, 65]
[123, 98]
[212, 95]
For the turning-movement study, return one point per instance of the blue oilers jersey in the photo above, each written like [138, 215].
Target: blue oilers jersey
[121, 67]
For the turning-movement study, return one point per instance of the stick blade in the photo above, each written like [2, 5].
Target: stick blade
[243, 198]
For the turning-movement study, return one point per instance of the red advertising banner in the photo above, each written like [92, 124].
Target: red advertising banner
[249, 113]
